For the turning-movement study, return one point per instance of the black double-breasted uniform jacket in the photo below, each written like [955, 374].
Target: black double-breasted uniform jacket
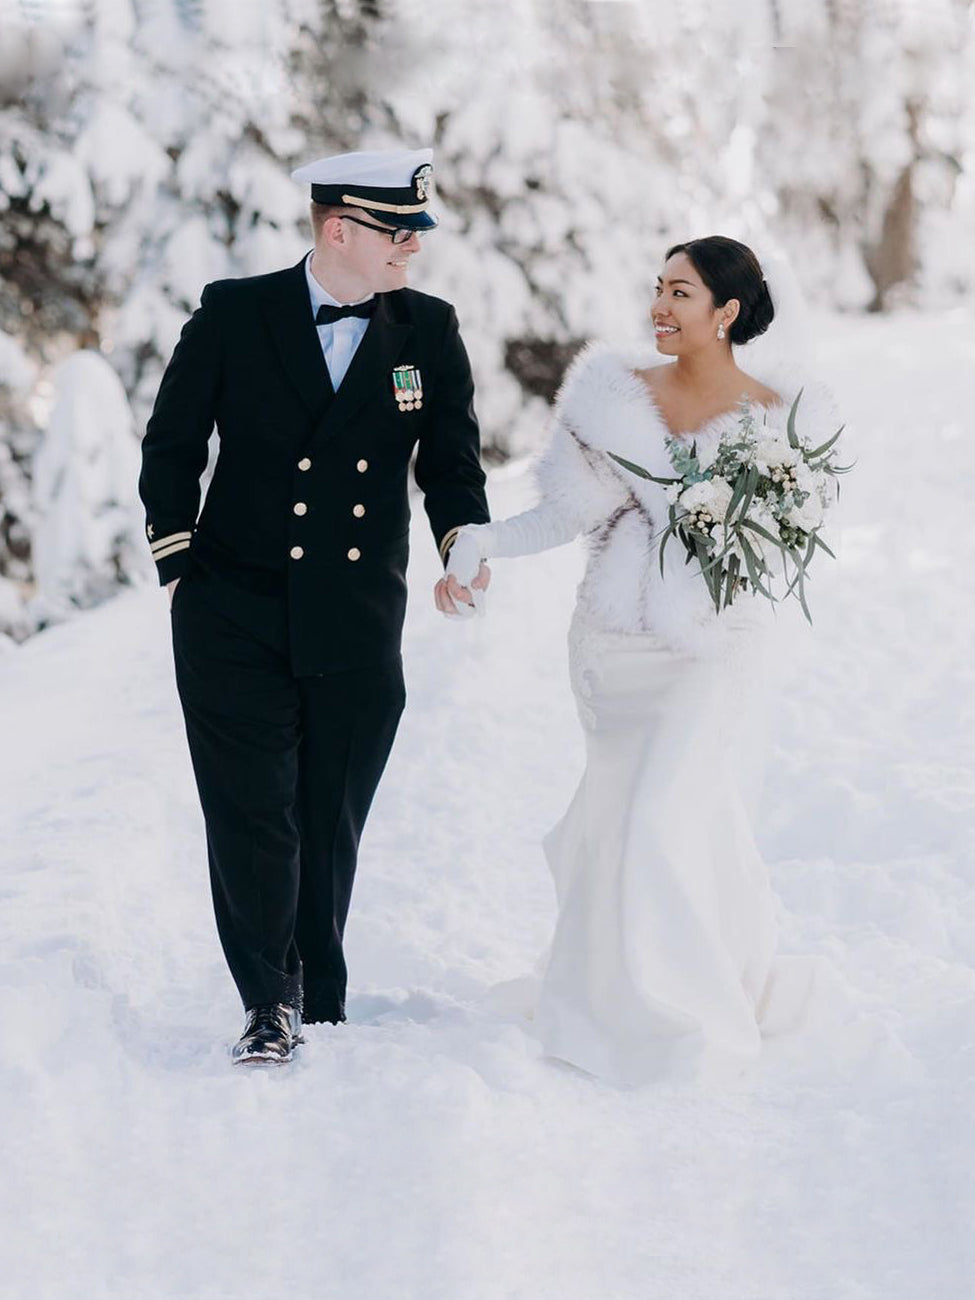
[309, 495]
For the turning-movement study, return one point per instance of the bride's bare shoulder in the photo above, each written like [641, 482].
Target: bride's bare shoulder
[761, 393]
[656, 377]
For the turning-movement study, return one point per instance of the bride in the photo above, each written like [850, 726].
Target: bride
[663, 962]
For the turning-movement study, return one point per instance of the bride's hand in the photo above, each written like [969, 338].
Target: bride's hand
[458, 601]
[464, 560]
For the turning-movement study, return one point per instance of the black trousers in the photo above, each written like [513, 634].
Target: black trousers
[286, 769]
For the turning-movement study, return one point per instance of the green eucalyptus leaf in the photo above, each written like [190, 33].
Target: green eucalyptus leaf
[737, 494]
[822, 545]
[764, 532]
[802, 597]
[751, 485]
[713, 581]
[818, 451]
[639, 470]
[755, 565]
[717, 558]
[667, 535]
[790, 424]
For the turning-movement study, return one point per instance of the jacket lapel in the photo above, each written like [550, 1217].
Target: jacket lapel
[370, 368]
[287, 308]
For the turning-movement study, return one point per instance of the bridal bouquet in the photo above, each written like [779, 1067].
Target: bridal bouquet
[761, 499]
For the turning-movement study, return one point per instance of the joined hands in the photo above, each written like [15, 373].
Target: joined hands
[460, 592]
[455, 600]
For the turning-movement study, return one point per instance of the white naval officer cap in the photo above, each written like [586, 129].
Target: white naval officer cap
[392, 185]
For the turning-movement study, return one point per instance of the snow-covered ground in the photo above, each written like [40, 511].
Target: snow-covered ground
[425, 1150]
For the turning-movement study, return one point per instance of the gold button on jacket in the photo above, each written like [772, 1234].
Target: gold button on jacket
[362, 466]
[358, 511]
[300, 508]
[304, 463]
[354, 553]
[297, 552]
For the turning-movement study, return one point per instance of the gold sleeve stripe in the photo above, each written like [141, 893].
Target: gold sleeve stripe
[162, 542]
[447, 542]
[171, 550]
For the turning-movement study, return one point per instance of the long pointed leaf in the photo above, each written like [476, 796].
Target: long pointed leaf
[667, 534]
[713, 589]
[802, 597]
[751, 484]
[764, 532]
[799, 582]
[790, 424]
[737, 493]
[718, 557]
[752, 562]
[643, 473]
[818, 451]
[820, 543]
[795, 581]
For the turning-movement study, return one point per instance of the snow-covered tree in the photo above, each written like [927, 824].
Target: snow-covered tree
[87, 518]
[145, 149]
[18, 438]
[877, 94]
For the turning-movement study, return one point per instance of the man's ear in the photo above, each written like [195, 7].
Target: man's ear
[334, 232]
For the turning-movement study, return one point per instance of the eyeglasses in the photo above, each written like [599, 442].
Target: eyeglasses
[398, 235]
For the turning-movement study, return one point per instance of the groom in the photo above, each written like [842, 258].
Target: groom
[288, 589]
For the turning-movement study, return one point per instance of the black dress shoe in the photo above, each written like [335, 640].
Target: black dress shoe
[270, 1035]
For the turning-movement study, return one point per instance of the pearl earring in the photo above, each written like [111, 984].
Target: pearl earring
[721, 330]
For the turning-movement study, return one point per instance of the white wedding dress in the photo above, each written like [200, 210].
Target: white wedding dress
[662, 963]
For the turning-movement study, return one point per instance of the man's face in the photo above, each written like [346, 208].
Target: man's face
[369, 256]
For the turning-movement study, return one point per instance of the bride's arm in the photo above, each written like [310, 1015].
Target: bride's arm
[538, 529]
[578, 493]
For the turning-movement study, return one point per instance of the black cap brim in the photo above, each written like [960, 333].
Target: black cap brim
[404, 220]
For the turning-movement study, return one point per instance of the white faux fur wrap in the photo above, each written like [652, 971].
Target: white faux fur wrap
[603, 406]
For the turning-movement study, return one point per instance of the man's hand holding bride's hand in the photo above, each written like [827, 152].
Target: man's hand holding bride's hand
[461, 602]
[458, 594]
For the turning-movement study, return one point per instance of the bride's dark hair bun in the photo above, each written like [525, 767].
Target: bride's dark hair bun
[731, 270]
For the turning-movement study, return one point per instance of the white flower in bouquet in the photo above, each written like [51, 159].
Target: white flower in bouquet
[806, 479]
[770, 454]
[807, 516]
[709, 496]
[760, 495]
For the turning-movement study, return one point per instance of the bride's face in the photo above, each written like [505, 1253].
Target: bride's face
[684, 316]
